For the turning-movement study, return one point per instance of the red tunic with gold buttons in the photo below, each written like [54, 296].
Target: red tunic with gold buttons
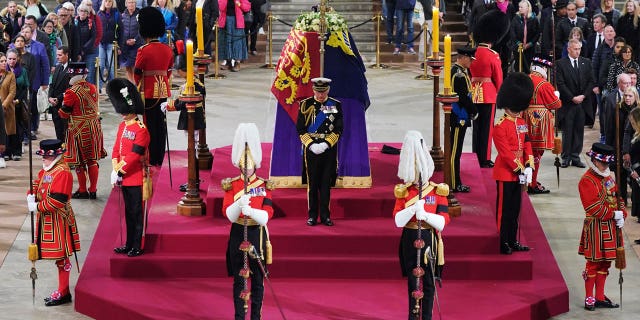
[129, 151]
[599, 196]
[153, 69]
[84, 137]
[257, 189]
[539, 115]
[486, 75]
[56, 231]
[511, 138]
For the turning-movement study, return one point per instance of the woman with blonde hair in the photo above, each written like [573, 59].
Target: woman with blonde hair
[37, 9]
[633, 159]
[609, 11]
[167, 8]
[628, 24]
[525, 18]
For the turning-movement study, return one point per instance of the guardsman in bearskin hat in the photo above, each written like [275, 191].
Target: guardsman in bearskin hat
[602, 229]
[199, 119]
[84, 137]
[129, 160]
[462, 112]
[56, 230]
[486, 79]
[151, 73]
[540, 118]
[319, 126]
[247, 204]
[421, 210]
[514, 163]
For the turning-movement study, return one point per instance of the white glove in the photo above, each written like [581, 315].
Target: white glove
[557, 93]
[247, 211]
[419, 208]
[618, 215]
[316, 148]
[31, 202]
[163, 106]
[620, 223]
[324, 146]
[244, 200]
[114, 178]
[528, 172]
[434, 220]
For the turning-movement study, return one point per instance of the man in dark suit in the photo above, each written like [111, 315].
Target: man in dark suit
[546, 38]
[39, 36]
[567, 23]
[575, 82]
[594, 40]
[59, 84]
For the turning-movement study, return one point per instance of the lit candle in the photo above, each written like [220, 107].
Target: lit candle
[189, 89]
[199, 28]
[435, 33]
[447, 64]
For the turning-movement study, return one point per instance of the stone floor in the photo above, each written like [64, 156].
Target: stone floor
[398, 103]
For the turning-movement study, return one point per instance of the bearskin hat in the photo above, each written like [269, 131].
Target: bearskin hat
[491, 27]
[151, 23]
[125, 96]
[515, 92]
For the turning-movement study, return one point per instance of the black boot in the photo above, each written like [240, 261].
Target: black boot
[505, 249]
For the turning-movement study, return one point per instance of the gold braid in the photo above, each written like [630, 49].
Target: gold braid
[307, 111]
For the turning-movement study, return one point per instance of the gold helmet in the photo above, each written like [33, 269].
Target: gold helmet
[246, 151]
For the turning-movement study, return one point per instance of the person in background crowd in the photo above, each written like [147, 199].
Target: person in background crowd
[427, 7]
[576, 33]
[41, 72]
[185, 12]
[607, 9]
[583, 11]
[632, 151]
[604, 217]
[3, 139]
[52, 39]
[389, 19]
[7, 95]
[15, 15]
[210, 13]
[129, 38]
[621, 62]
[546, 41]
[56, 232]
[67, 21]
[167, 8]
[252, 29]
[524, 19]
[404, 17]
[628, 24]
[59, 84]
[58, 28]
[84, 137]
[22, 92]
[602, 58]
[233, 47]
[110, 20]
[37, 9]
[38, 35]
[565, 26]
[87, 35]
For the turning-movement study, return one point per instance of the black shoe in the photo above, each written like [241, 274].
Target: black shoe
[537, 190]
[462, 188]
[505, 249]
[80, 195]
[311, 222]
[606, 304]
[122, 250]
[590, 307]
[516, 246]
[637, 241]
[328, 222]
[578, 164]
[56, 302]
[135, 252]
[564, 164]
[183, 187]
[93, 195]
[487, 164]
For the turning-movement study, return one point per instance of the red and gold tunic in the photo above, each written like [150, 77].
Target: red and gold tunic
[153, 69]
[486, 75]
[511, 139]
[599, 196]
[129, 151]
[539, 117]
[258, 188]
[84, 137]
[56, 231]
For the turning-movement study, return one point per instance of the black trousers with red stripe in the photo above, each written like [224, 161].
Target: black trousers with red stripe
[508, 201]
[483, 131]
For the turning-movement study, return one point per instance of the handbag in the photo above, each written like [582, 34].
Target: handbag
[248, 18]
[43, 100]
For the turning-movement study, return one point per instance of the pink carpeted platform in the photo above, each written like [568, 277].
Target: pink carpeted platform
[349, 271]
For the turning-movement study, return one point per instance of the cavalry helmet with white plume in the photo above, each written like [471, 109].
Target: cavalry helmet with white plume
[414, 159]
[246, 133]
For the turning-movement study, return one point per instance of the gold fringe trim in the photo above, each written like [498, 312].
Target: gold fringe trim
[341, 182]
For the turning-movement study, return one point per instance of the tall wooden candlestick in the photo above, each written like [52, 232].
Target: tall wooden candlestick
[436, 152]
[191, 204]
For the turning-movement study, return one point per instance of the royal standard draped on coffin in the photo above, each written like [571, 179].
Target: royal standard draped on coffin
[299, 62]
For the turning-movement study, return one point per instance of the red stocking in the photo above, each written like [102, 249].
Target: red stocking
[82, 178]
[93, 177]
[64, 269]
[589, 279]
[537, 154]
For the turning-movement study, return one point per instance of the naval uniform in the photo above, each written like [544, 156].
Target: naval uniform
[152, 72]
[319, 122]
[435, 196]
[461, 115]
[128, 157]
[260, 192]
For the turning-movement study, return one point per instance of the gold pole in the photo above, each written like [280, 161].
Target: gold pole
[520, 48]
[378, 65]
[269, 64]
[216, 62]
[425, 38]
[115, 59]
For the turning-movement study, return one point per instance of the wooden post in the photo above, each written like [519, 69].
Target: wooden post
[436, 64]
[191, 204]
[205, 158]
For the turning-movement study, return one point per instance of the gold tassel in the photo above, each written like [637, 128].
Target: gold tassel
[269, 253]
[147, 188]
[621, 260]
[440, 251]
[33, 252]
[557, 145]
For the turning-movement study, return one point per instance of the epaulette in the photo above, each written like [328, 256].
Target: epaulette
[459, 73]
[226, 183]
[141, 123]
[442, 189]
[334, 99]
[400, 190]
[269, 185]
[501, 119]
